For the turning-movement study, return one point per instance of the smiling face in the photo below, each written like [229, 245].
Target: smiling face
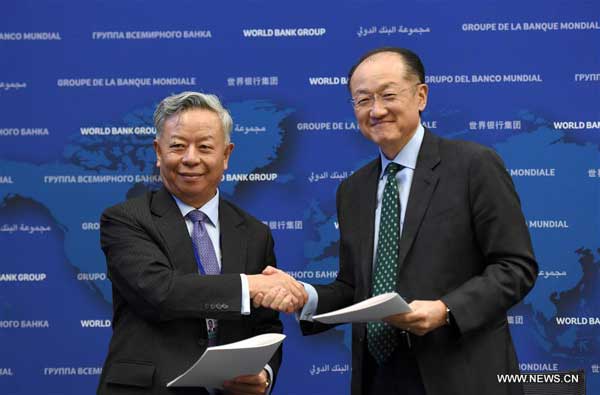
[389, 123]
[192, 155]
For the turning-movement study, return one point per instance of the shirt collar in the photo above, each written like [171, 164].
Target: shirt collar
[407, 157]
[210, 208]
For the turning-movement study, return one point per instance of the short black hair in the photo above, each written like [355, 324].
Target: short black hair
[411, 61]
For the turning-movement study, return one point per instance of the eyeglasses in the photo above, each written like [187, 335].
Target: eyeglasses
[365, 101]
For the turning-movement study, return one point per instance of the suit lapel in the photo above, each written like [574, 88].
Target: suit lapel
[424, 182]
[171, 225]
[233, 240]
[367, 222]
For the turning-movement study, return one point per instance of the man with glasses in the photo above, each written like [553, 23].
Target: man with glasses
[440, 223]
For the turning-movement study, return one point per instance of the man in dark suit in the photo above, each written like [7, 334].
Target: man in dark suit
[176, 257]
[437, 221]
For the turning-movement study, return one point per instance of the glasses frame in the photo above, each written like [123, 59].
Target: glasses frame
[374, 96]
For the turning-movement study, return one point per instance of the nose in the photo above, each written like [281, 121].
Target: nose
[191, 157]
[378, 109]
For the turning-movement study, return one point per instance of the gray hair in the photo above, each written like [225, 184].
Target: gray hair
[184, 101]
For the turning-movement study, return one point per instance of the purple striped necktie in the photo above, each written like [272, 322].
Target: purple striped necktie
[204, 247]
[205, 253]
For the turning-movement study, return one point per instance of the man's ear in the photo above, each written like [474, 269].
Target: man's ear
[157, 152]
[423, 90]
[227, 154]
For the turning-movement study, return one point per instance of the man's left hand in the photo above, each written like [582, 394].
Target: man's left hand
[256, 384]
[426, 315]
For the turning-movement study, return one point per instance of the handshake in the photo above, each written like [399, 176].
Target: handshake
[277, 290]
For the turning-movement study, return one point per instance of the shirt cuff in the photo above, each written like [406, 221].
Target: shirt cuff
[270, 373]
[245, 295]
[310, 308]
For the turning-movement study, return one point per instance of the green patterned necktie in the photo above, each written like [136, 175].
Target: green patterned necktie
[382, 337]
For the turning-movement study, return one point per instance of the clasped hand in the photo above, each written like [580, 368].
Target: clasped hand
[277, 290]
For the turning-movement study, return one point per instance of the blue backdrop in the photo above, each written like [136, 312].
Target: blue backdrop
[78, 85]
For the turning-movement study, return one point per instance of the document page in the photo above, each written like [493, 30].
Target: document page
[372, 309]
[221, 363]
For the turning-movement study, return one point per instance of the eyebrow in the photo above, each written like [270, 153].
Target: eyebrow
[176, 136]
[380, 88]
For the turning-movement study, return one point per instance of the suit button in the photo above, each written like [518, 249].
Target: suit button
[212, 306]
[206, 306]
[225, 306]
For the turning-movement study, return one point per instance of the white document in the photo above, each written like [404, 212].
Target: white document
[372, 309]
[222, 363]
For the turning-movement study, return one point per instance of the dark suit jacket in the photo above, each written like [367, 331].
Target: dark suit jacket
[160, 302]
[464, 241]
